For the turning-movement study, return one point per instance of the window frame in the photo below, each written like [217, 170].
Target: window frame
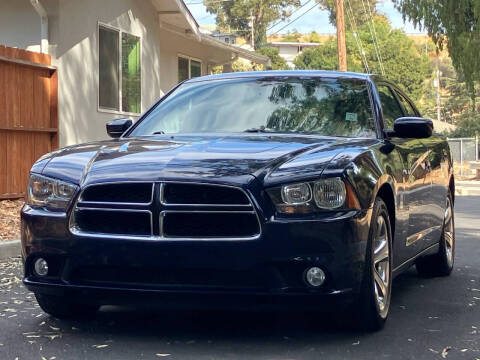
[392, 90]
[399, 94]
[189, 58]
[120, 75]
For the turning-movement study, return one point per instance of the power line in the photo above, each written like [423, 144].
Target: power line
[376, 37]
[297, 9]
[373, 35]
[291, 22]
[202, 2]
[351, 17]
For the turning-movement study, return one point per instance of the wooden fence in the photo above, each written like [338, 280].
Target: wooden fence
[28, 116]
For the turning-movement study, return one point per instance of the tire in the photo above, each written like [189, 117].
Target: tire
[441, 263]
[62, 308]
[373, 304]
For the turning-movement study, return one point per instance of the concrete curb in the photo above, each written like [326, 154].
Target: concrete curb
[467, 192]
[10, 249]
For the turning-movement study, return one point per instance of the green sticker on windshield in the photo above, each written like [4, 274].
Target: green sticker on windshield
[351, 116]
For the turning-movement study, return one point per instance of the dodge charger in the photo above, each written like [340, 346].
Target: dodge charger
[308, 190]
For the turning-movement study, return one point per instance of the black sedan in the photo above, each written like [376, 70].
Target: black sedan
[293, 189]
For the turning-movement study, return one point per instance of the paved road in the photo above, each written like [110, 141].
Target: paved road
[427, 316]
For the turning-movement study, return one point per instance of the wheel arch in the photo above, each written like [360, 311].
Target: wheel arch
[385, 192]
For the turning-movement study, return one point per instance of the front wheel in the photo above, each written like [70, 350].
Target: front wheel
[441, 264]
[373, 304]
[62, 308]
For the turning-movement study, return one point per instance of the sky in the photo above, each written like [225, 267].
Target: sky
[314, 20]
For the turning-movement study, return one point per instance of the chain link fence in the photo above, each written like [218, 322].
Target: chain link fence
[464, 152]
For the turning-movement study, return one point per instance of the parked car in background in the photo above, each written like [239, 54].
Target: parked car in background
[288, 188]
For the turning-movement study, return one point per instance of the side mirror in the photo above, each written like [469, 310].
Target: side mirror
[117, 127]
[412, 127]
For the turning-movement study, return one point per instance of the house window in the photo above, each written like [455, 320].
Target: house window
[119, 71]
[188, 68]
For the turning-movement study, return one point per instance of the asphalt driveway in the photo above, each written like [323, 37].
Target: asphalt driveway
[430, 319]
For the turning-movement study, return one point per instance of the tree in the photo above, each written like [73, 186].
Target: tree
[454, 24]
[400, 58]
[323, 57]
[361, 10]
[237, 15]
[278, 63]
[468, 126]
[242, 65]
[293, 36]
[314, 37]
[456, 103]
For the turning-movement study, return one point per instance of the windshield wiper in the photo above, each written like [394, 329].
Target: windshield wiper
[261, 129]
[159, 132]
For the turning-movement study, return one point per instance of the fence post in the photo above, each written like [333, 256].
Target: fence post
[476, 147]
[461, 157]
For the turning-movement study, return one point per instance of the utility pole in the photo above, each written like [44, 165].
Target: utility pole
[342, 48]
[252, 33]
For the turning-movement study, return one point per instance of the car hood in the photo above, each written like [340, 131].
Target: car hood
[224, 158]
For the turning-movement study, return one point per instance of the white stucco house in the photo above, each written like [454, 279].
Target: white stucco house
[290, 50]
[114, 58]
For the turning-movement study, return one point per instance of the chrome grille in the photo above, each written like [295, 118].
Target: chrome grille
[165, 210]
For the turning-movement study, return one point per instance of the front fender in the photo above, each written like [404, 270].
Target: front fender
[367, 177]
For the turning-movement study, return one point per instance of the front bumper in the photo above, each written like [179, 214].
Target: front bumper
[268, 271]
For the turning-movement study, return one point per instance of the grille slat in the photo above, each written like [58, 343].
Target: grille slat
[126, 193]
[209, 224]
[201, 194]
[128, 276]
[185, 211]
[118, 222]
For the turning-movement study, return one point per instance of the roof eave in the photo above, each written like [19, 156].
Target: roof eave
[190, 19]
[246, 54]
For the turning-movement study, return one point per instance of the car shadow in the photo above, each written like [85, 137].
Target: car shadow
[253, 326]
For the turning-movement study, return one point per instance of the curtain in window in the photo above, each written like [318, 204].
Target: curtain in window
[131, 74]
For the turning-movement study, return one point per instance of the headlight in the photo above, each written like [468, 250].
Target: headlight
[296, 194]
[48, 192]
[310, 197]
[329, 193]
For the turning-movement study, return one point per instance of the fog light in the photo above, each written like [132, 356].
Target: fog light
[41, 267]
[315, 276]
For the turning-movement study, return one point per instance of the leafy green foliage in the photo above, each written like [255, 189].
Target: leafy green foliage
[457, 106]
[293, 36]
[361, 9]
[241, 65]
[314, 37]
[454, 24]
[468, 126]
[236, 15]
[401, 60]
[322, 57]
[277, 62]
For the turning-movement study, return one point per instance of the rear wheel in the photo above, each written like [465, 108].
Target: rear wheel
[62, 308]
[441, 264]
[373, 305]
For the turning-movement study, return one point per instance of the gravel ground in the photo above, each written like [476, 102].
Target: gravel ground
[10, 219]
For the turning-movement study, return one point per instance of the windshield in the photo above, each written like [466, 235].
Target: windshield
[333, 107]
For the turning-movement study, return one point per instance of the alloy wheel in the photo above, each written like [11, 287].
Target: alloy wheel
[448, 229]
[381, 266]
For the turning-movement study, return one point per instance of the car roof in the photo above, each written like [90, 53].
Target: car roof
[284, 73]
